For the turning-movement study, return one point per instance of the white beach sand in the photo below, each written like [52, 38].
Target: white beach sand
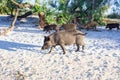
[21, 55]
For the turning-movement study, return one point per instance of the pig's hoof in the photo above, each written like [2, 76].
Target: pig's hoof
[48, 53]
[83, 51]
[64, 53]
[76, 50]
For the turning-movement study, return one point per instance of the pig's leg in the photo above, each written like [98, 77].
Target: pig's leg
[46, 31]
[83, 47]
[63, 48]
[78, 47]
[51, 50]
[49, 31]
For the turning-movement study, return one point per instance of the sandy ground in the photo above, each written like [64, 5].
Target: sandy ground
[21, 56]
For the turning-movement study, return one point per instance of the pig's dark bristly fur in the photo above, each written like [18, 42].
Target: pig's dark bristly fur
[68, 27]
[48, 28]
[63, 38]
[112, 25]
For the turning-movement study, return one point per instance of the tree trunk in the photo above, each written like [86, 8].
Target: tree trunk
[15, 18]
[42, 22]
[6, 31]
[25, 15]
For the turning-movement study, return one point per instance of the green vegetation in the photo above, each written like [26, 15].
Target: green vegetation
[82, 10]
[114, 15]
[7, 7]
[62, 11]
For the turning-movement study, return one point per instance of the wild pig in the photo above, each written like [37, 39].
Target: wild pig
[48, 28]
[112, 25]
[63, 38]
[91, 24]
[68, 27]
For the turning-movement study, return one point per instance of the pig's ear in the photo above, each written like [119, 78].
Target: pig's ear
[45, 37]
[48, 38]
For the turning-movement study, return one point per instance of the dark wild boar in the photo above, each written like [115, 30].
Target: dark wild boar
[48, 28]
[68, 27]
[112, 25]
[63, 38]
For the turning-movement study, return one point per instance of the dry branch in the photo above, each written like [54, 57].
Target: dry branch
[25, 15]
[17, 4]
[20, 6]
[6, 31]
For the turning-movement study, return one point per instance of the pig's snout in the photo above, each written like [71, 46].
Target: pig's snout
[43, 48]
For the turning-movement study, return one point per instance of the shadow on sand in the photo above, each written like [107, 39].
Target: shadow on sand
[13, 46]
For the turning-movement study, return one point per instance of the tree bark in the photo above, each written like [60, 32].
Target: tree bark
[25, 15]
[42, 22]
